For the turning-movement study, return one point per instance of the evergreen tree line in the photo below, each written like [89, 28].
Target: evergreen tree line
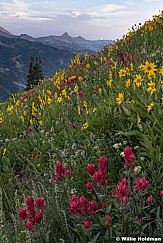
[35, 72]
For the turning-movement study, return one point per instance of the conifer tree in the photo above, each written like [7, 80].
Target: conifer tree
[35, 72]
[38, 71]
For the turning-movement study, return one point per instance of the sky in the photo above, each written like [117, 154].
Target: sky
[91, 19]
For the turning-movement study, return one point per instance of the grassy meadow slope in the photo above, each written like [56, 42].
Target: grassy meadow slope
[88, 145]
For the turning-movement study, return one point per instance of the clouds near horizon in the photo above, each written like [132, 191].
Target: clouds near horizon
[93, 19]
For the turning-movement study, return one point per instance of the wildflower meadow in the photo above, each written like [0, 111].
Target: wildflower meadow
[81, 153]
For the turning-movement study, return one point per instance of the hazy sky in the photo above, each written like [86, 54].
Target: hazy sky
[92, 19]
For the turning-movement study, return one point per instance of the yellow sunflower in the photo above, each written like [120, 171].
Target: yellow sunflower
[120, 98]
[150, 106]
[149, 68]
[138, 80]
[161, 71]
[152, 87]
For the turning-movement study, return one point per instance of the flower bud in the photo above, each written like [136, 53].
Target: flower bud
[90, 169]
[161, 193]
[29, 225]
[150, 199]
[22, 214]
[137, 219]
[40, 202]
[89, 186]
[87, 223]
[38, 217]
[109, 219]
[93, 205]
[98, 176]
[30, 202]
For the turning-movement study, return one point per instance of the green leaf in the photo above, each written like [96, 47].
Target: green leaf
[131, 119]
[152, 136]
[155, 128]
[140, 111]
[158, 155]
[132, 133]
[161, 139]
[126, 111]
[147, 143]
[95, 237]
[145, 226]
[6, 166]
[81, 236]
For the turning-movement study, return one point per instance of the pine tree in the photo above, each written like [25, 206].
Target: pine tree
[35, 72]
[30, 76]
[38, 71]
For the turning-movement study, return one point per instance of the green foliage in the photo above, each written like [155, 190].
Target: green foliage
[35, 73]
[98, 106]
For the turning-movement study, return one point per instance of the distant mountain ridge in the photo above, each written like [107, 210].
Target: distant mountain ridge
[55, 52]
[65, 41]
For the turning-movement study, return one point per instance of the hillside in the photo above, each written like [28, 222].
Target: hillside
[55, 52]
[81, 153]
[15, 56]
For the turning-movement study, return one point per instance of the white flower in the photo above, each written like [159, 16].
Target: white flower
[83, 153]
[72, 156]
[74, 146]
[7, 140]
[64, 152]
[119, 133]
[116, 145]
[73, 163]
[137, 169]
[62, 240]
[122, 154]
[73, 191]
[136, 147]
[77, 153]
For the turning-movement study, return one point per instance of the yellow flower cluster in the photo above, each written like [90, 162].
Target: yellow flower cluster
[76, 60]
[84, 126]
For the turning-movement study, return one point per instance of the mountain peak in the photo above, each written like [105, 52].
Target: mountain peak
[26, 37]
[80, 38]
[65, 35]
